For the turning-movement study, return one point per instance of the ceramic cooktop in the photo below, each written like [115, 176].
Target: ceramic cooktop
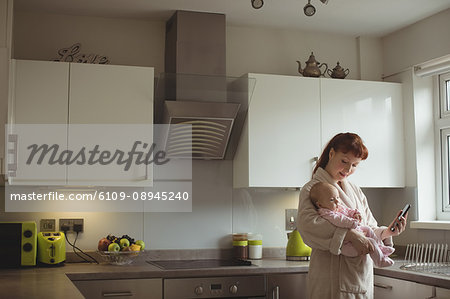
[197, 264]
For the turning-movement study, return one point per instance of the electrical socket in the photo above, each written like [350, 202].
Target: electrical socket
[47, 225]
[70, 224]
[291, 219]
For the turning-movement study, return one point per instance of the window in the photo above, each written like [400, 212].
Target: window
[443, 125]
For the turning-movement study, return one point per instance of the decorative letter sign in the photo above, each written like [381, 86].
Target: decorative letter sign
[71, 54]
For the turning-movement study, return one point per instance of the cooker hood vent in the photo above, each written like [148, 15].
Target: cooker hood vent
[195, 91]
[208, 131]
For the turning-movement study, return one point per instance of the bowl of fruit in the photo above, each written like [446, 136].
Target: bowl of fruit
[120, 250]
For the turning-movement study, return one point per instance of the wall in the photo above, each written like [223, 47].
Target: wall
[218, 210]
[124, 41]
[420, 42]
[138, 42]
[271, 51]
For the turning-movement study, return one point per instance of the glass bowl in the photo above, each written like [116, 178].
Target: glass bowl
[119, 257]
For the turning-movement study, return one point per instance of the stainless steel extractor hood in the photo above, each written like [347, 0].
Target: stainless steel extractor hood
[195, 90]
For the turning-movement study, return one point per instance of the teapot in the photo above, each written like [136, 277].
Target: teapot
[312, 68]
[338, 72]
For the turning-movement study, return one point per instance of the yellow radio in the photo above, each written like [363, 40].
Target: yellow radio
[19, 246]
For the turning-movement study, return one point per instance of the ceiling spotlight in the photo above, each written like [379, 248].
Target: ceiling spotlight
[257, 4]
[309, 9]
[324, 1]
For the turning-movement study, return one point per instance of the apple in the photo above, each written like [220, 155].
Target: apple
[103, 244]
[124, 243]
[135, 247]
[114, 247]
[140, 243]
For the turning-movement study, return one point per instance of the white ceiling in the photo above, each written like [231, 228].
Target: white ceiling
[350, 17]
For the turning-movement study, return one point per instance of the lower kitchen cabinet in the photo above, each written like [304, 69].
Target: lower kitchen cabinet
[386, 287]
[122, 288]
[442, 293]
[286, 286]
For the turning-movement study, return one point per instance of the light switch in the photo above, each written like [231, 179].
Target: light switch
[291, 219]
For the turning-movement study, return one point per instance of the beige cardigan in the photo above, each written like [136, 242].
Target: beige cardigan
[332, 275]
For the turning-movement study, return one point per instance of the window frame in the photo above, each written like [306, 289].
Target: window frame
[442, 125]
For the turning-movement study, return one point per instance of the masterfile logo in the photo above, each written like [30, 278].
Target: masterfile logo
[96, 167]
[54, 155]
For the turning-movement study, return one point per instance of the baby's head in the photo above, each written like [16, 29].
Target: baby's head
[325, 196]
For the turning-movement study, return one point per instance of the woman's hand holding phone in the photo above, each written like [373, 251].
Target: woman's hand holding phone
[398, 225]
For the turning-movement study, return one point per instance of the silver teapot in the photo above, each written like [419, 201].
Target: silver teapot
[312, 68]
[338, 72]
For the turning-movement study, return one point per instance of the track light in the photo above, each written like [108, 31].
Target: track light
[257, 4]
[309, 10]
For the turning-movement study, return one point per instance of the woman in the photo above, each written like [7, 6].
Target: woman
[332, 275]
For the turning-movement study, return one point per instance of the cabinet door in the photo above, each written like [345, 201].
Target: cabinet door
[282, 133]
[115, 97]
[4, 75]
[442, 293]
[286, 286]
[386, 287]
[123, 288]
[374, 111]
[38, 116]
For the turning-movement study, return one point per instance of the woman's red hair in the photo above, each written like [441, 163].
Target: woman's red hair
[343, 142]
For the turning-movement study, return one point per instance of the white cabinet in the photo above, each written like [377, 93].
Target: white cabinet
[113, 96]
[281, 135]
[374, 111]
[386, 287]
[6, 16]
[123, 288]
[281, 286]
[291, 119]
[90, 98]
[39, 96]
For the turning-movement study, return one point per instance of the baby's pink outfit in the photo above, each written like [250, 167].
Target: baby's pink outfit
[343, 217]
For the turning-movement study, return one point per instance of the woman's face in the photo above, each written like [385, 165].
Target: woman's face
[341, 165]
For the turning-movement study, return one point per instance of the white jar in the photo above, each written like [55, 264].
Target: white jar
[255, 249]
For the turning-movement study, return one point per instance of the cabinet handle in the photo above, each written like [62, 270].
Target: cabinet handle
[118, 294]
[276, 292]
[12, 167]
[383, 286]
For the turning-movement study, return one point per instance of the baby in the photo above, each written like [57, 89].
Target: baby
[325, 198]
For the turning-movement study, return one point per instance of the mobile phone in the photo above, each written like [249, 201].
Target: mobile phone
[404, 211]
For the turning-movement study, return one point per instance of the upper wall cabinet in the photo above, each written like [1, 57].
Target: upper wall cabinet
[290, 120]
[93, 99]
[282, 133]
[374, 111]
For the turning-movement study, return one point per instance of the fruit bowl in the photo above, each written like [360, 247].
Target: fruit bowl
[119, 257]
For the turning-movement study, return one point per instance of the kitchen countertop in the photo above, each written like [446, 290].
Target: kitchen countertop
[56, 282]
